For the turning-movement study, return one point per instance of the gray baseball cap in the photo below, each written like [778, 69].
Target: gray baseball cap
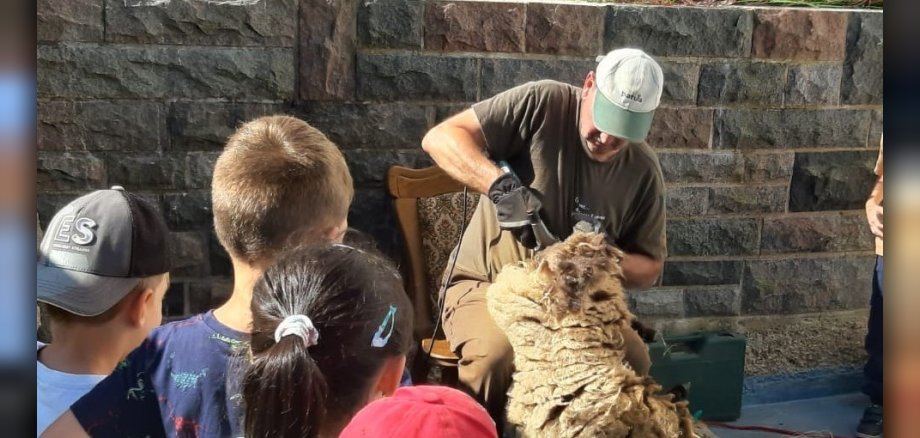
[96, 250]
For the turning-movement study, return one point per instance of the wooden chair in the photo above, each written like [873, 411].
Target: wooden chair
[429, 206]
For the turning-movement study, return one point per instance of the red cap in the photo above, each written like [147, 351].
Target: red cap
[422, 411]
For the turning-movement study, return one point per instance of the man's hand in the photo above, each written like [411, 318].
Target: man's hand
[514, 204]
[874, 214]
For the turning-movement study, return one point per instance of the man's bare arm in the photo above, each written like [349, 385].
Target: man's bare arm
[640, 270]
[458, 146]
[65, 426]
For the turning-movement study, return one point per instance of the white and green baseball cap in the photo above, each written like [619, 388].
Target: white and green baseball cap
[629, 86]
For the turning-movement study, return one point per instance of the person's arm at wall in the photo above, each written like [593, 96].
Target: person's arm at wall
[458, 146]
[874, 212]
[65, 426]
[640, 270]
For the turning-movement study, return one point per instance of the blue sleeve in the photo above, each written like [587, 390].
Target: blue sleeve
[124, 404]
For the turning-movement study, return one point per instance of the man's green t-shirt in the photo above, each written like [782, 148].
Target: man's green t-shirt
[534, 127]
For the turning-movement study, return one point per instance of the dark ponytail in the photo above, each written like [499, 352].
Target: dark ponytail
[279, 379]
[294, 389]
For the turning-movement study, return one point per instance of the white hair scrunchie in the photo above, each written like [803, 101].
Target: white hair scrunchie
[300, 326]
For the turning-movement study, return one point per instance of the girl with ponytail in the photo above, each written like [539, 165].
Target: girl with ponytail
[331, 326]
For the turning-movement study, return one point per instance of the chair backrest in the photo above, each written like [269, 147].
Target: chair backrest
[429, 207]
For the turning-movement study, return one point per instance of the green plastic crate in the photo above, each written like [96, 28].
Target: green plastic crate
[713, 364]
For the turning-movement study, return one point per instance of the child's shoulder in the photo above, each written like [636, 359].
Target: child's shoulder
[196, 332]
[180, 329]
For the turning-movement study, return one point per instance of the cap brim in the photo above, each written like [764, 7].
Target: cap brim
[80, 293]
[619, 122]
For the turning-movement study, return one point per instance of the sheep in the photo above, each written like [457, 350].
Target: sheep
[563, 312]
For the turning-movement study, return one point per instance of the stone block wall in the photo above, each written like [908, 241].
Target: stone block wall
[767, 134]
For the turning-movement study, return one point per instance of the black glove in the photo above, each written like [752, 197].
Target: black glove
[514, 204]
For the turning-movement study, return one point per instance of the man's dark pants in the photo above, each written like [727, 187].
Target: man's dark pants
[873, 369]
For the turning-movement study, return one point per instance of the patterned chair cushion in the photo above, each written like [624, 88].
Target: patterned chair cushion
[439, 225]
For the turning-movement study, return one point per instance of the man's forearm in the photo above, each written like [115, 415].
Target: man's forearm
[640, 271]
[458, 147]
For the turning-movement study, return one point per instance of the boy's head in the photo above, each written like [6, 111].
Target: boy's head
[105, 256]
[278, 183]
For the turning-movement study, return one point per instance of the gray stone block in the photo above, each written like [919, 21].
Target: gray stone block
[101, 125]
[398, 77]
[198, 295]
[76, 70]
[748, 199]
[862, 67]
[657, 302]
[209, 294]
[713, 300]
[686, 201]
[219, 259]
[75, 171]
[681, 80]
[680, 128]
[803, 285]
[680, 31]
[501, 74]
[816, 233]
[205, 126]
[702, 273]
[444, 111]
[799, 34]
[463, 26]
[774, 129]
[188, 254]
[326, 49]
[174, 302]
[49, 203]
[372, 213]
[767, 167]
[392, 125]
[200, 167]
[390, 24]
[188, 211]
[682, 167]
[194, 22]
[564, 29]
[713, 237]
[831, 180]
[741, 82]
[146, 171]
[725, 166]
[370, 166]
[812, 85]
[69, 20]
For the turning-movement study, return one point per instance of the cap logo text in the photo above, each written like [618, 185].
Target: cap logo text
[631, 96]
[79, 231]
